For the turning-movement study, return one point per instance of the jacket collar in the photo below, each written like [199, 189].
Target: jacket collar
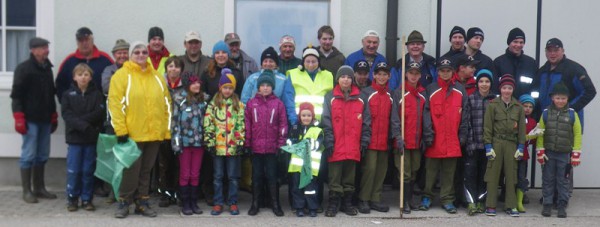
[338, 93]
[95, 53]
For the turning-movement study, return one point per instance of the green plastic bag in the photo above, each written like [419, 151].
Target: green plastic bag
[113, 158]
[303, 151]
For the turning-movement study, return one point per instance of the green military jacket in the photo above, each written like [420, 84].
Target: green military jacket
[503, 122]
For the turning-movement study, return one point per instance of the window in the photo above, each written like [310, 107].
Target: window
[18, 26]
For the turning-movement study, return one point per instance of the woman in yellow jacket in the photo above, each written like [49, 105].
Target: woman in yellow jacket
[140, 108]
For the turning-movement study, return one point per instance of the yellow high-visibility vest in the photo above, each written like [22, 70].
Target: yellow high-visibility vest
[311, 91]
[315, 154]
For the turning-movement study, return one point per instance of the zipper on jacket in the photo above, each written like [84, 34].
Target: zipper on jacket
[226, 134]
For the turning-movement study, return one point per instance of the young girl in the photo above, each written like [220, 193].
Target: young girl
[475, 160]
[503, 133]
[188, 113]
[83, 112]
[532, 133]
[224, 138]
[306, 197]
[266, 122]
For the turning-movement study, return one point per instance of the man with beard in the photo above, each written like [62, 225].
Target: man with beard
[243, 62]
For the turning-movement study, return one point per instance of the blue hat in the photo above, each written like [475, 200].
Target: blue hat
[485, 73]
[221, 46]
[527, 98]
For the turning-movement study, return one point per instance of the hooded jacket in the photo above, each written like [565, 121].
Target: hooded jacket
[83, 113]
[187, 122]
[285, 95]
[346, 124]
[266, 124]
[224, 127]
[139, 103]
[414, 98]
[380, 105]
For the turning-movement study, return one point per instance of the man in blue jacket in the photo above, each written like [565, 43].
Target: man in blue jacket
[368, 52]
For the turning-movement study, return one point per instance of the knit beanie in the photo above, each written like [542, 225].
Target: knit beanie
[485, 73]
[287, 39]
[266, 77]
[527, 98]
[221, 46]
[306, 106]
[559, 89]
[155, 31]
[507, 79]
[269, 53]
[188, 78]
[344, 70]
[121, 44]
[310, 51]
[457, 29]
[227, 78]
[515, 33]
[474, 31]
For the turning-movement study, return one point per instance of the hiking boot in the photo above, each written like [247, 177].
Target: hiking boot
[379, 206]
[164, 201]
[72, 204]
[425, 203]
[233, 209]
[142, 206]
[471, 209]
[450, 208]
[87, 205]
[332, 208]
[347, 206]
[513, 212]
[216, 210]
[562, 210]
[122, 210]
[490, 211]
[312, 213]
[547, 210]
[363, 207]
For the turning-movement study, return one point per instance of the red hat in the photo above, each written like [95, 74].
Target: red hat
[507, 79]
[306, 106]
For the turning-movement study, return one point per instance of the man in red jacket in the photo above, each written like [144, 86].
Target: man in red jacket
[445, 111]
[347, 129]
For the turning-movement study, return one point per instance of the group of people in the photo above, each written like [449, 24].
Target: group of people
[219, 124]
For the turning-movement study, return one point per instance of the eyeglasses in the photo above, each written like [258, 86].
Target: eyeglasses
[143, 52]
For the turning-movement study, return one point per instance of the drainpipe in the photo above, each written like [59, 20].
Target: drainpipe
[391, 33]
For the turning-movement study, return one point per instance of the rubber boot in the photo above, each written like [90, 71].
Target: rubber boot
[142, 206]
[562, 209]
[411, 203]
[257, 189]
[39, 187]
[273, 190]
[186, 208]
[28, 196]
[347, 206]
[471, 209]
[520, 206]
[194, 190]
[334, 203]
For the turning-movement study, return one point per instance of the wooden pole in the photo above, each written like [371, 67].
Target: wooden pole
[402, 125]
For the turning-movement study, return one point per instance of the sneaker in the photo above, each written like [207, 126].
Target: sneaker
[233, 209]
[72, 205]
[547, 211]
[123, 210]
[312, 213]
[216, 210]
[425, 203]
[513, 212]
[142, 206]
[300, 213]
[490, 211]
[87, 205]
[450, 208]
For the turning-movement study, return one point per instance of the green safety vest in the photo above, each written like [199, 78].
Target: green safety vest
[296, 161]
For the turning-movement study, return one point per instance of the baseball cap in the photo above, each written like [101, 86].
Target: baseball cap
[232, 38]
[361, 66]
[83, 32]
[554, 42]
[192, 35]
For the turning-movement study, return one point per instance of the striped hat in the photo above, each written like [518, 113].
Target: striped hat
[507, 79]
[227, 78]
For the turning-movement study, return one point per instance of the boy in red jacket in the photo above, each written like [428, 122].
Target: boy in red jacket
[347, 129]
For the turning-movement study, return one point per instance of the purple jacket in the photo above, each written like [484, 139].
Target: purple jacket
[266, 124]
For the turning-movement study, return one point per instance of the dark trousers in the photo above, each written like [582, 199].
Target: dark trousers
[136, 178]
[305, 197]
[522, 182]
[475, 186]
[341, 176]
[554, 176]
[168, 168]
[264, 164]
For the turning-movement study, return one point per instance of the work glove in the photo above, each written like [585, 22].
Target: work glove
[122, 139]
[489, 152]
[535, 132]
[54, 122]
[519, 153]
[20, 122]
[541, 156]
[575, 158]
[212, 151]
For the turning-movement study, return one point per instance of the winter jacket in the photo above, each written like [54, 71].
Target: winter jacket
[33, 90]
[562, 133]
[346, 124]
[530, 124]
[359, 55]
[299, 133]
[477, 104]
[428, 69]
[98, 62]
[380, 106]
[224, 128]
[83, 113]
[521, 67]
[289, 64]
[453, 54]
[414, 98]
[157, 60]
[247, 66]
[197, 67]
[470, 84]
[574, 76]
[186, 122]
[266, 124]
[210, 85]
[139, 103]
[333, 61]
[502, 122]
[285, 95]
[445, 119]
[485, 62]
[108, 72]
[304, 89]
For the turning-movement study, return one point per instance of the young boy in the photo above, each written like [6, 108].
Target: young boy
[528, 104]
[347, 129]
[83, 112]
[558, 149]
[414, 98]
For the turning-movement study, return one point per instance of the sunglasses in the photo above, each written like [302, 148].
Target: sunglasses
[143, 52]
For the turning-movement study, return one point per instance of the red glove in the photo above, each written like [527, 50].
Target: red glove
[20, 122]
[541, 156]
[54, 122]
[575, 158]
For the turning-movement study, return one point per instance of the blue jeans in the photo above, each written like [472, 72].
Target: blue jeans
[231, 164]
[81, 160]
[36, 145]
